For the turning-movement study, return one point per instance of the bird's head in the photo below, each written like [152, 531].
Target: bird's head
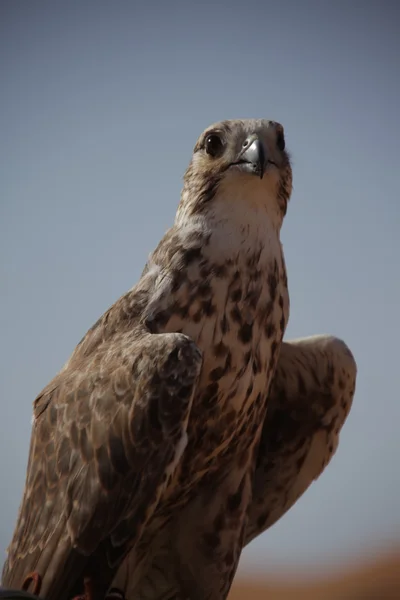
[243, 160]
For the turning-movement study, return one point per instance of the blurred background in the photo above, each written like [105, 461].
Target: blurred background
[101, 105]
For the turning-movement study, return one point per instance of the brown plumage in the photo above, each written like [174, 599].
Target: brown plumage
[310, 397]
[150, 431]
[106, 431]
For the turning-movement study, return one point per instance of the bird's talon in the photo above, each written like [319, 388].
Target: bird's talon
[88, 590]
[34, 578]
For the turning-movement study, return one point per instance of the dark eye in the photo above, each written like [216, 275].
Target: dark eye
[280, 140]
[214, 144]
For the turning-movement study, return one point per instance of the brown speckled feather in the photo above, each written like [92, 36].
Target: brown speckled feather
[311, 396]
[106, 431]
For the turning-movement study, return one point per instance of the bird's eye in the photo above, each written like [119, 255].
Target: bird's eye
[214, 144]
[280, 141]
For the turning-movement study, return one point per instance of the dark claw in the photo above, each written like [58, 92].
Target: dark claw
[34, 578]
[88, 590]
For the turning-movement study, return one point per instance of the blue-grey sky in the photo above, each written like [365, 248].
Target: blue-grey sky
[101, 104]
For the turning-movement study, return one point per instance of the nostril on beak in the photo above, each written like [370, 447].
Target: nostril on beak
[253, 154]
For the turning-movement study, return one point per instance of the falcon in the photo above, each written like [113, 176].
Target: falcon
[310, 397]
[150, 431]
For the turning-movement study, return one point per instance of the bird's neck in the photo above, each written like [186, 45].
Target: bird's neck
[234, 223]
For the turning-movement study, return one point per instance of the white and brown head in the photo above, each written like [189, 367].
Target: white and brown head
[239, 160]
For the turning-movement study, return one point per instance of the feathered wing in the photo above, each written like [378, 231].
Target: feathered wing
[108, 432]
[311, 396]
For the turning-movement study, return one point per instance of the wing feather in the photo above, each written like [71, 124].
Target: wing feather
[311, 396]
[106, 433]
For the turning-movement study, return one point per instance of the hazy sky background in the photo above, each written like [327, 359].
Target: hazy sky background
[101, 104]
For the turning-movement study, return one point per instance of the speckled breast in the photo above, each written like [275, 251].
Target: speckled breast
[237, 318]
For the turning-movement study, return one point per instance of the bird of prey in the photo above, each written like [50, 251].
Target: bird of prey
[310, 397]
[152, 426]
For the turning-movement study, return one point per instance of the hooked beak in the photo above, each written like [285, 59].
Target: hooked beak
[253, 157]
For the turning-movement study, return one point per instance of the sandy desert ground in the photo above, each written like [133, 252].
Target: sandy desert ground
[369, 579]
